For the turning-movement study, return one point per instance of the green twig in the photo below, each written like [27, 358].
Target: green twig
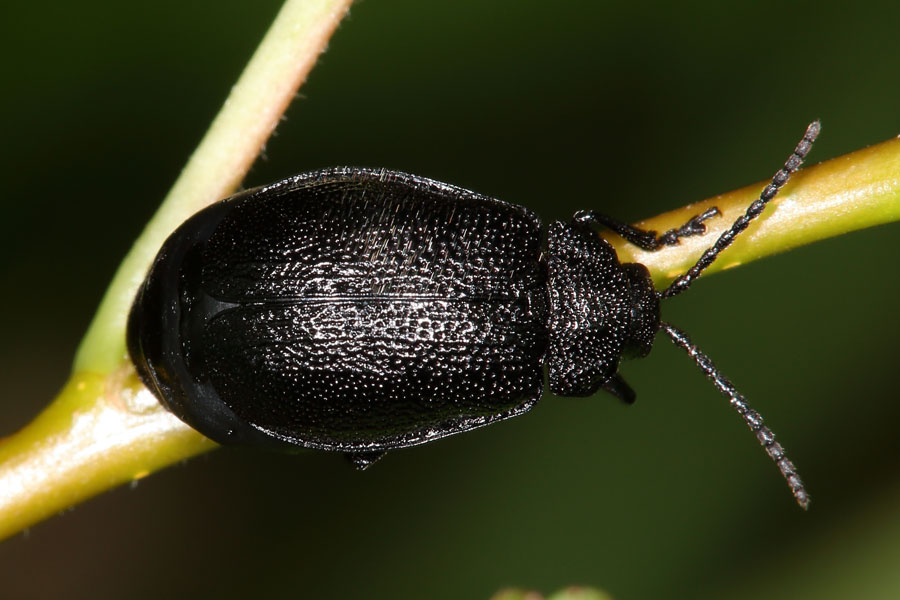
[105, 429]
[838, 196]
[256, 103]
[571, 593]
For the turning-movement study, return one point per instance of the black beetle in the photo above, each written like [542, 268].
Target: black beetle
[360, 310]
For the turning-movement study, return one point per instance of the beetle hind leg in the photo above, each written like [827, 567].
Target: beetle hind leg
[647, 239]
[364, 460]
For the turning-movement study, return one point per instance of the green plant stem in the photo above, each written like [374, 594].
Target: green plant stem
[102, 429]
[571, 593]
[105, 429]
[847, 193]
[254, 107]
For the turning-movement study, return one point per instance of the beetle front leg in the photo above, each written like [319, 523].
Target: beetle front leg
[618, 387]
[644, 238]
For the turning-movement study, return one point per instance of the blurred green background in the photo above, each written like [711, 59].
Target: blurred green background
[631, 108]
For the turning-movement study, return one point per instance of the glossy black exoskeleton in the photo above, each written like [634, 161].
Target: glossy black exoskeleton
[359, 311]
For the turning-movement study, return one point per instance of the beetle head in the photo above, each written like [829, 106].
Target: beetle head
[643, 322]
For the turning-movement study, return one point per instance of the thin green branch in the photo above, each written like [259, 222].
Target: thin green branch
[101, 431]
[838, 196]
[254, 107]
[105, 429]
[571, 593]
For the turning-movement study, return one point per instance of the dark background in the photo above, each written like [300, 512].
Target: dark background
[625, 107]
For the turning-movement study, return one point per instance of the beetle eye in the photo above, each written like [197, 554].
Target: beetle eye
[644, 315]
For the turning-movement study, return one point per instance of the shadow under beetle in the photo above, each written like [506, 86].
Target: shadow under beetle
[359, 311]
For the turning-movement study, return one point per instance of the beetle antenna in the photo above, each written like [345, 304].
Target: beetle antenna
[752, 418]
[781, 177]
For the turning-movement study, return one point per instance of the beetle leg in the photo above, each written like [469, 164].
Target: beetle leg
[619, 388]
[364, 460]
[647, 239]
[753, 211]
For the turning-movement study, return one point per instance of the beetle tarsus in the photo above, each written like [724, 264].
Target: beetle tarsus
[648, 239]
[754, 210]
[694, 226]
